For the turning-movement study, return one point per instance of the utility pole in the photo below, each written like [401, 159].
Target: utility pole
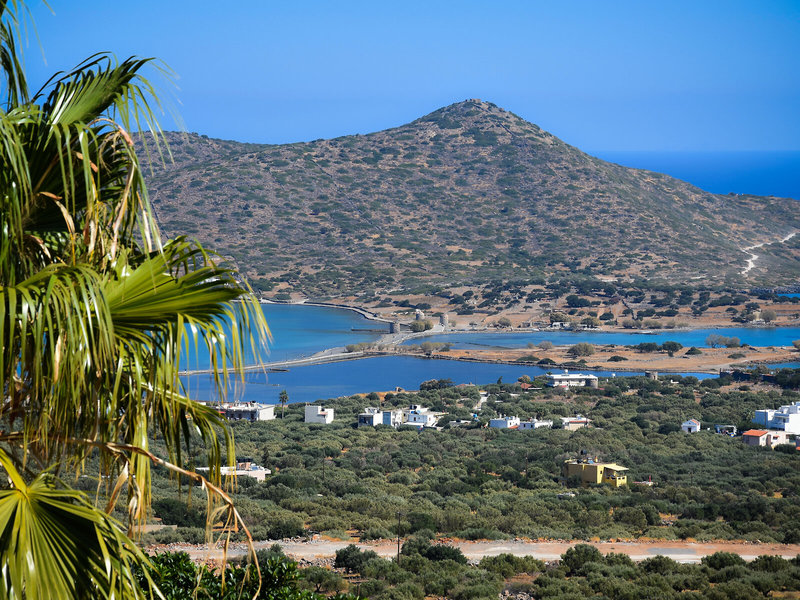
[398, 538]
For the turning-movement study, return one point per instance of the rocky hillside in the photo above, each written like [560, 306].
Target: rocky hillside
[467, 194]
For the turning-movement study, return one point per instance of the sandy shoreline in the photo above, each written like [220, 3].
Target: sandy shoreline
[711, 360]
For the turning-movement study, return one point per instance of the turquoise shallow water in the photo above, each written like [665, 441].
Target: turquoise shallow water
[300, 330]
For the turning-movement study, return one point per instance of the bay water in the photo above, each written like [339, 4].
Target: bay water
[302, 330]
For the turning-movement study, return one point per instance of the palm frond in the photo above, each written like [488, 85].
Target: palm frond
[16, 91]
[140, 318]
[58, 546]
[96, 317]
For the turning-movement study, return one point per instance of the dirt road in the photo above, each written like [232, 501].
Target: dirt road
[684, 552]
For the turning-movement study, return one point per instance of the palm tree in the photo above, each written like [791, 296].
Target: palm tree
[95, 315]
[283, 398]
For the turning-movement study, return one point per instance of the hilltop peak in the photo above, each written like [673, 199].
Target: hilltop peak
[471, 107]
[481, 114]
[468, 193]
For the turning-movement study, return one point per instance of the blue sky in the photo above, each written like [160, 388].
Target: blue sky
[617, 75]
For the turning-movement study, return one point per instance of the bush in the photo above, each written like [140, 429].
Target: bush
[286, 527]
[352, 559]
[646, 347]
[631, 515]
[720, 560]
[436, 384]
[420, 326]
[574, 301]
[662, 565]
[617, 358]
[733, 342]
[176, 512]
[769, 563]
[581, 349]
[441, 552]
[715, 340]
[576, 557]
[693, 351]
[508, 565]
[375, 533]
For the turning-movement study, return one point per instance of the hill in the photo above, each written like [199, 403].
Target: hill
[468, 194]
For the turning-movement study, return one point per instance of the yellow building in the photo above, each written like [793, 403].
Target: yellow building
[591, 471]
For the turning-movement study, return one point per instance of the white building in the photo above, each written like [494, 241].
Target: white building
[535, 424]
[318, 414]
[419, 416]
[567, 379]
[691, 426]
[786, 418]
[243, 468]
[575, 423]
[504, 422]
[247, 411]
[372, 417]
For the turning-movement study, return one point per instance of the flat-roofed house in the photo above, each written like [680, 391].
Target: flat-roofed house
[245, 467]
[419, 416]
[504, 422]
[591, 471]
[247, 411]
[372, 417]
[535, 424]
[318, 414]
[575, 423]
[786, 418]
[567, 379]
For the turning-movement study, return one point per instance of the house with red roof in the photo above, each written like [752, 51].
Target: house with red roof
[764, 437]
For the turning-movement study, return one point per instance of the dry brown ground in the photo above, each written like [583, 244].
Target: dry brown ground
[681, 551]
[710, 361]
[788, 315]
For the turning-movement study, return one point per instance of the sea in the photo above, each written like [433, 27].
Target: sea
[761, 173]
[299, 330]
